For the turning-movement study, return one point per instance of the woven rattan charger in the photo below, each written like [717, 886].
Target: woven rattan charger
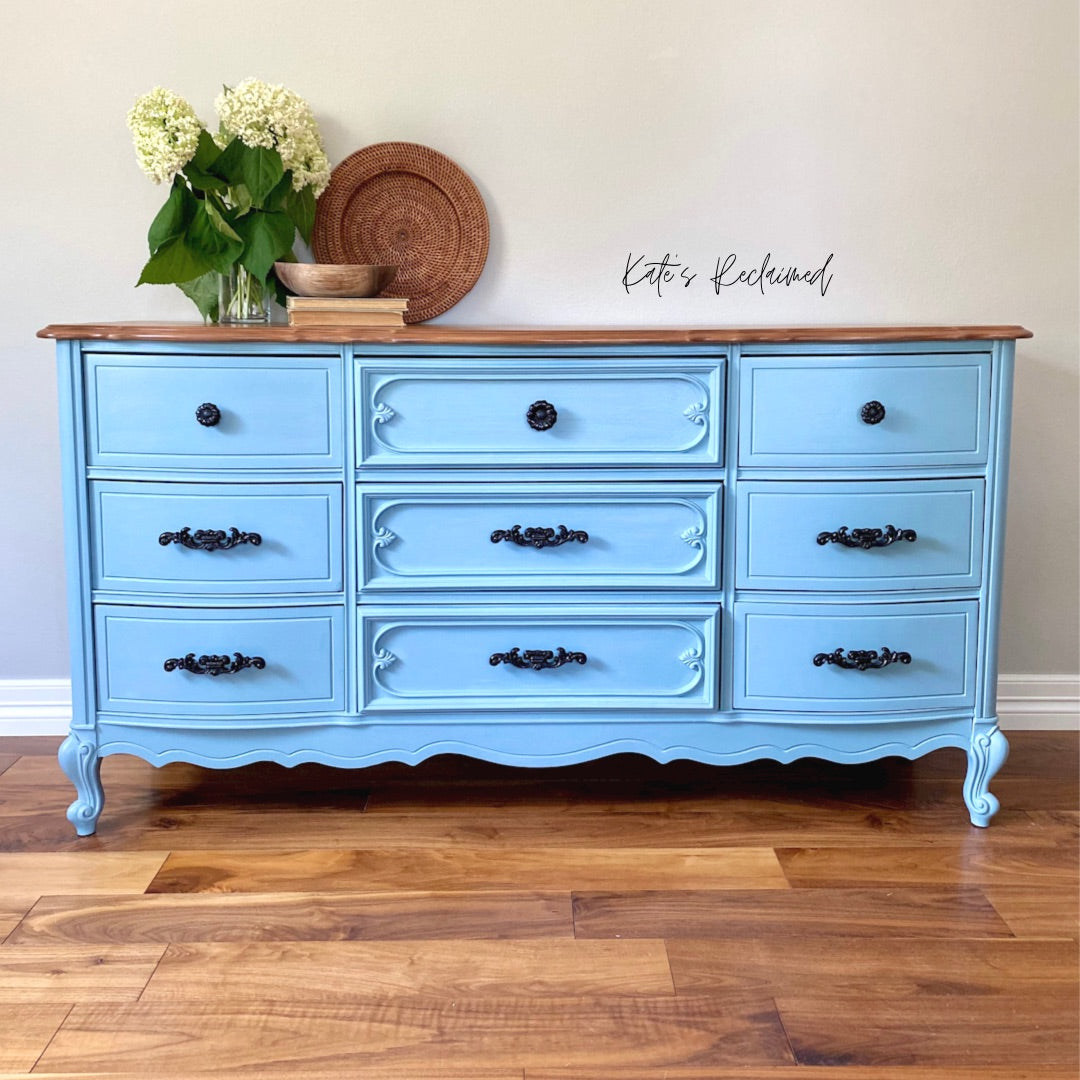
[408, 205]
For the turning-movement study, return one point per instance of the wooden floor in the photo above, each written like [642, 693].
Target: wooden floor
[619, 920]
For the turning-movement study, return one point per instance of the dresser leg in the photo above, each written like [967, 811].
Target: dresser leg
[986, 754]
[82, 764]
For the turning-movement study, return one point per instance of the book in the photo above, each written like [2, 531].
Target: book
[347, 303]
[345, 318]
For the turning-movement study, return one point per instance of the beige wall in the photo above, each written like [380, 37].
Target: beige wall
[930, 144]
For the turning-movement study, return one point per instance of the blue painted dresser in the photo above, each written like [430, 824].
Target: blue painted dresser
[533, 547]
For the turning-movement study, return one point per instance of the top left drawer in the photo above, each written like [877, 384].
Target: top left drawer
[214, 412]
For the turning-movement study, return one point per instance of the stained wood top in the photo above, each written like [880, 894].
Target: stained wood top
[536, 335]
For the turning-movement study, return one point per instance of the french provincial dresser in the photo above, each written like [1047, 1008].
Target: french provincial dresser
[534, 547]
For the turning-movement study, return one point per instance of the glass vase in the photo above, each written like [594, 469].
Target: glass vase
[242, 298]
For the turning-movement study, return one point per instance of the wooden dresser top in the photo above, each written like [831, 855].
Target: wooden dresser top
[469, 335]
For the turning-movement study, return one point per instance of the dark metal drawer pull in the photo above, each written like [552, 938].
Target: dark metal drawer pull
[209, 539]
[541, 415]
[862, 659]
[214, 665]
[208, 414]
[539, 537]
[873, 412]
[867, 538]
[537, 658]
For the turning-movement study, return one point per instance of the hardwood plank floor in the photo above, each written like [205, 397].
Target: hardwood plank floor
[1032, 1027]
[1050, 911]
[312, 916]
[337, 972]
[578, 1032]
[973, 860]
[620, 920]
[811, 1072]
[931, 911]
[31, 875]
[77, 973]
[872, 967]
[25, 1031]
[459, 866]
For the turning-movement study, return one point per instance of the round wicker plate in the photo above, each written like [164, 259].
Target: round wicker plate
[408, 205]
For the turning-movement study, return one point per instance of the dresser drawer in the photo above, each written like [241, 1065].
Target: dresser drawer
[211, 539]
[837, 536]
[139, 652]
[561, 535]
[453, 658]
[781, 656]
[919, 410]
[266, 412]
[527, 412]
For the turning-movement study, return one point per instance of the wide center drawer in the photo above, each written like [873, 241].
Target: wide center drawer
[210, 539]
[858, 535]
[535, 656]
[562, 535]
[825, 412]
[162, 660]
[848, 658]
[211, 412]
[532, 412]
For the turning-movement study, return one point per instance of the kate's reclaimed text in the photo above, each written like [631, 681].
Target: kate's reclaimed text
[668, 271]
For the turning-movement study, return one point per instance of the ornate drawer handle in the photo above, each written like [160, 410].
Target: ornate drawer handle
[214, 665]
[541, 415]
[209, 539]
[540, 538]
[862, 659]
[208, 414]
[873, 412]
[537, 658]
[867, 538]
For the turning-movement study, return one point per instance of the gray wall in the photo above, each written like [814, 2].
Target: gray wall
[931, 145]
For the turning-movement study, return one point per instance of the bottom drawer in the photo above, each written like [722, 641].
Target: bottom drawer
[620, 656]
[831, 658]
[160, 660]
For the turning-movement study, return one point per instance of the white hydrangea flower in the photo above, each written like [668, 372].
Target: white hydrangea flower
[165, 131]
[261, 114]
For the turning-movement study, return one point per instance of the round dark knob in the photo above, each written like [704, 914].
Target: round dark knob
[541, 415]
[208, 414]
[873, 412]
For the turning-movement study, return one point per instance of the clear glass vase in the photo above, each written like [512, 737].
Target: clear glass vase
[242, 299]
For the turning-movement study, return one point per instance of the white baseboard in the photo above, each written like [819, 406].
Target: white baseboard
[1025, 703]
[35, 706]
[1039, 702]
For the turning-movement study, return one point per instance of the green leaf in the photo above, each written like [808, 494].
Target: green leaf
[201, 180]
[267, 238]
[281, 294]
[173, 218]
[228, 165]
[278, 197]
[203, 292]
[241, 198]
[300, 206]
[260, 169]
[207, 151]
[219, 221]
[212, 245]
[173, 263]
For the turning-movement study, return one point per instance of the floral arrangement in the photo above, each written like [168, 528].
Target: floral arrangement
[238, 198]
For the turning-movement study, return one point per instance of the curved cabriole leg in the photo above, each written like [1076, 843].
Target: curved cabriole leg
[986, 755]
[82, 765]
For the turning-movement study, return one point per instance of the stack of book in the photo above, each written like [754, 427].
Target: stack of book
[346, 311]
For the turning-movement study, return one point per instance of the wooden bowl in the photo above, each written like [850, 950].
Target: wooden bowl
[334, 279]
